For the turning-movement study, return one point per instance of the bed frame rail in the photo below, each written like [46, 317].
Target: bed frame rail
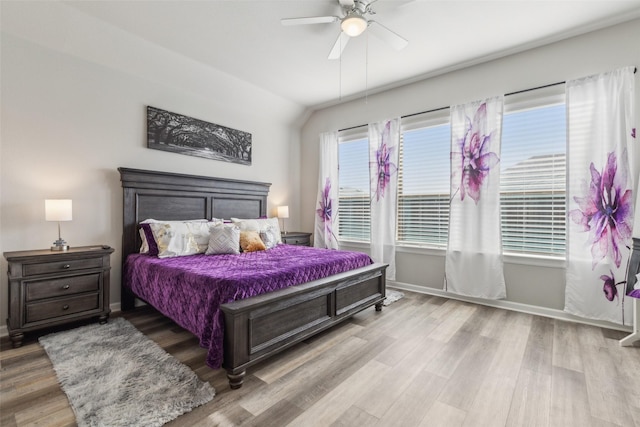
[261, 326]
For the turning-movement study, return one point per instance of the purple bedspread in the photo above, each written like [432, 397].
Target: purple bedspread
[190, 289]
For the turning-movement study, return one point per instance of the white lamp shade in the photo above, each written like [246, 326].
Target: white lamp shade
[353, 25]
[283, 211]
[58, 210]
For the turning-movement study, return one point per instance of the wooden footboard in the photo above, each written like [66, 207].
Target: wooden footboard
[259, 327]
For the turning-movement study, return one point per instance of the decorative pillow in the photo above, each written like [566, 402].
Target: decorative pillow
[258, 225]
[269, 237]
[250, 241]
[144, 246]
[224, 240]
[178, 238]
[147, 237]
[148, 241]
[221, 221]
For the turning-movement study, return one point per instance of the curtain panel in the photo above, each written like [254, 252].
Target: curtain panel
[474, 263]
[326, 219]
[600, 195]
[384, 147]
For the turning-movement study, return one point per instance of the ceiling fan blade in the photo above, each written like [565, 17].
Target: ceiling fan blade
[346, 3]
[310, 20]
[387, 36]
[339, 45]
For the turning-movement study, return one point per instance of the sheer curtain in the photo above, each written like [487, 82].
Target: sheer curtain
[384, 143]
[600, 194]
[326, 219]
[473, 263]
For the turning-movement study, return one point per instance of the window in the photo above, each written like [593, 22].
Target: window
[532, 183]
[533, 174]
[354, 210]
[423, 180]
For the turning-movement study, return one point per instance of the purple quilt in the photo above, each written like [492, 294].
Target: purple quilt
[190, 289]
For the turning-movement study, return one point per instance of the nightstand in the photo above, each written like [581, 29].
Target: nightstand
[296, 238]
[48, 288]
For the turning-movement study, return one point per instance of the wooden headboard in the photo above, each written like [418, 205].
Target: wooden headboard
[171, 196]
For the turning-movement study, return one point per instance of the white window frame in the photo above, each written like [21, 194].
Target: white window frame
[412, 123]
[528, 100]
[345, 137]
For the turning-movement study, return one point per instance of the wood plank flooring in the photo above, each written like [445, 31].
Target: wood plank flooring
[423, 361]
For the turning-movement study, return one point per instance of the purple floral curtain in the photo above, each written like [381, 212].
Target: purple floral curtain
[326, 223]
[384, 140]
[600, 196]
[473, 263]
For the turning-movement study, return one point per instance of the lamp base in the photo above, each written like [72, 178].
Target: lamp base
[60, 245]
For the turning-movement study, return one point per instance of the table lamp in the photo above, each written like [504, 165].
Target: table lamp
[283, 212]
[58, 210]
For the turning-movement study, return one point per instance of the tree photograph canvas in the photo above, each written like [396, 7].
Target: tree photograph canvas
[174, 132]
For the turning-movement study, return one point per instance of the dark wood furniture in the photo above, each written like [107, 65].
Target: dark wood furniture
[632, 270]
[296, 238]
[261, 326]
[48, 288]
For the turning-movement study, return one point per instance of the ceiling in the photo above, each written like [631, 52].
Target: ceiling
[246, 39]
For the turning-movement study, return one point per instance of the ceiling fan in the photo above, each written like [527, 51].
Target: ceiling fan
[353, 23]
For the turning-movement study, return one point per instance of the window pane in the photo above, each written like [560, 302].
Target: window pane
[354, 206]
[423, 187]
[533, 181]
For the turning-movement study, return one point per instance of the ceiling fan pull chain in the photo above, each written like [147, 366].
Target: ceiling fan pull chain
[366, 70]
[340, 79]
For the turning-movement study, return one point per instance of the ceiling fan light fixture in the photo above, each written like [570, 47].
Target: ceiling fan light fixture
[353, 24]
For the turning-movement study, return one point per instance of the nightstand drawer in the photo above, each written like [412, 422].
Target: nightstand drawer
[63, 286]
[61, 266]
[302, 241]
[296, 238]
[61, 307]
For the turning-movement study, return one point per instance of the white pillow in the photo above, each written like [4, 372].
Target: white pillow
[180, 238]
[259, 225]
[224, 240]
[269, 237]
[144, 246]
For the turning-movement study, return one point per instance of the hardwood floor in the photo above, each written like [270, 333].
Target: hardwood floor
[423, 361]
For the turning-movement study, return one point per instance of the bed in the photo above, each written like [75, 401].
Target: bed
[255, 327]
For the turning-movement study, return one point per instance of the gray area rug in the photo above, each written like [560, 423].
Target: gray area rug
[113, 375]
[392, 296]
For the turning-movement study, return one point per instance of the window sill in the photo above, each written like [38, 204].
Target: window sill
[536, 260]
[354, 244]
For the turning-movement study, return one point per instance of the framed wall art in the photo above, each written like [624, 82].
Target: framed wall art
[174, 132]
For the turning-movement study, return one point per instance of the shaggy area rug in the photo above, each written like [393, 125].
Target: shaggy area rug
[392, 296]
[113, 375]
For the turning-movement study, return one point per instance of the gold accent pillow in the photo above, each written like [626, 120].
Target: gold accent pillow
[250, 241]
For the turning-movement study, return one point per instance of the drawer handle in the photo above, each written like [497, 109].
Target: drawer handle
[66, 266]
[65, 307]
[65, 287]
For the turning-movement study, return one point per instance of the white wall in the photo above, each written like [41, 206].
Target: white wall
[74, 95]
[600, 51]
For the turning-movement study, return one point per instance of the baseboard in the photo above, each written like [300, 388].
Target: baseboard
[510, 305]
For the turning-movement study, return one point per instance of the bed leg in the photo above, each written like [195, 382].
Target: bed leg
[379, 306]
[235, 380]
